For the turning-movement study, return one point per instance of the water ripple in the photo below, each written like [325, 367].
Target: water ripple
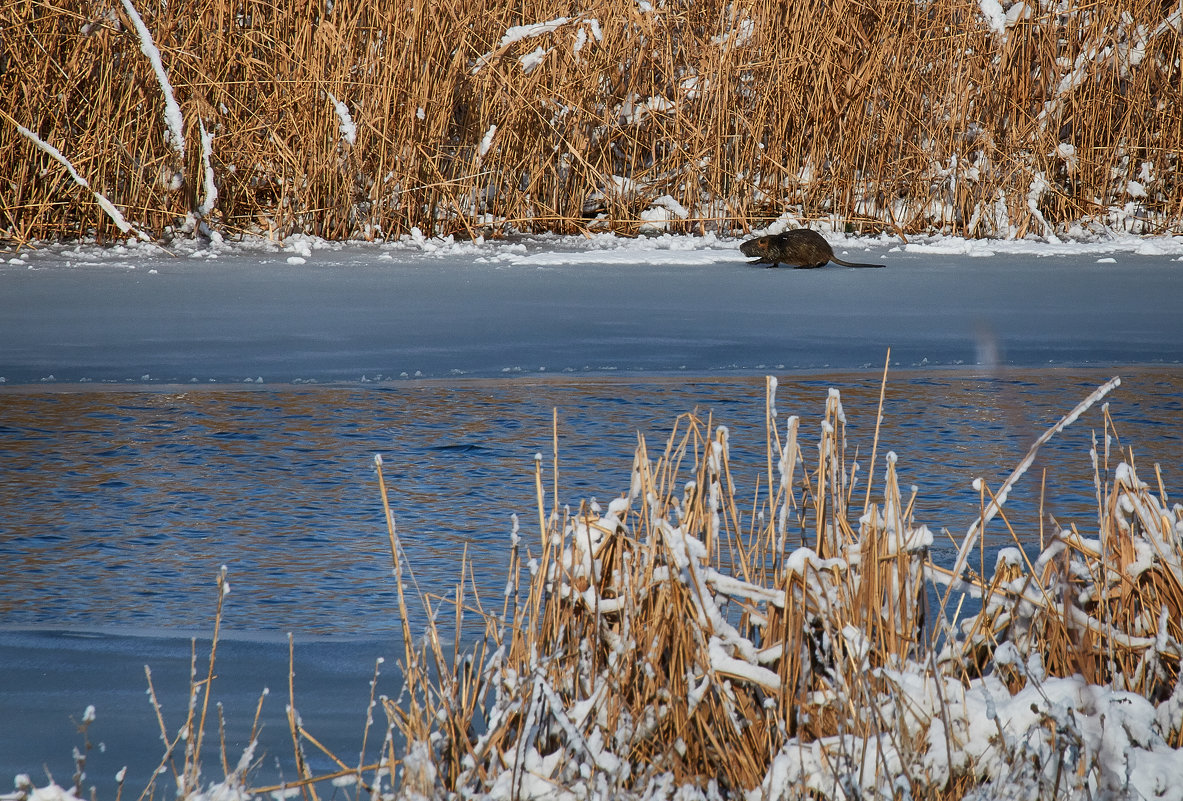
[117, 508]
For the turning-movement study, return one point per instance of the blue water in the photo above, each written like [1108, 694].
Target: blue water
[120, 506]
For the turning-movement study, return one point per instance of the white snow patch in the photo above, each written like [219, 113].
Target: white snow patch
[347, 128]
[739, 36]
[486, 141]
[994, 15]
[208, 183]
[532, 60]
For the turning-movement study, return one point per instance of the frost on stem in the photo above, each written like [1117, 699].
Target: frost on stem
[172, 111]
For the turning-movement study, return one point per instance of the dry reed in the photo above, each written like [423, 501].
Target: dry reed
[868, 115]
[672, 638]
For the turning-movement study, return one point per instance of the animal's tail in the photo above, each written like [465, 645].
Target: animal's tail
[837, 260]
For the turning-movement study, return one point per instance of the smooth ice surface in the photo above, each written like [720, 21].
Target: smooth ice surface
[313, 311]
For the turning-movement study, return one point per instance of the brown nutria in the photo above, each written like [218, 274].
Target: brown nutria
[801, 248]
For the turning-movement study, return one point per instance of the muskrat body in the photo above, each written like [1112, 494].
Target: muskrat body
[801, 248]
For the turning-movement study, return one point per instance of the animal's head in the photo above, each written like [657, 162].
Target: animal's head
[756, 247]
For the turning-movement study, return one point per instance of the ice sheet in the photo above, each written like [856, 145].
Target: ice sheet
[310, 310]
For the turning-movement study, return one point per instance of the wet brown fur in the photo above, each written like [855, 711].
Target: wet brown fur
[800, 248]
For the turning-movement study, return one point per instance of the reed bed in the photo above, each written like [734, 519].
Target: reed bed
[806, 645]
[360, 119]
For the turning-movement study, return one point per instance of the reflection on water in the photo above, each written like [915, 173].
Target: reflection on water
[118, 507]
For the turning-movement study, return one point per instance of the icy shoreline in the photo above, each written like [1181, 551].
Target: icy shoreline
[311, 310]
[517, 248]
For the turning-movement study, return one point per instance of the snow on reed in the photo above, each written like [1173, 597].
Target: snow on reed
[519, 33]
[347, 128]
[664, 645]
[1000, 496]
[106, 205]
[208, 183]
[172, 111]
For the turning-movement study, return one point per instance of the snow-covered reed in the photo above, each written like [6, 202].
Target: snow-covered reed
[106, 205]
[963, 117]
[172, 112]
[683, 643]
[670, 641]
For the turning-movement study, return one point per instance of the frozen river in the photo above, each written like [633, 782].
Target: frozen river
[123, 487]
[669, 305]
